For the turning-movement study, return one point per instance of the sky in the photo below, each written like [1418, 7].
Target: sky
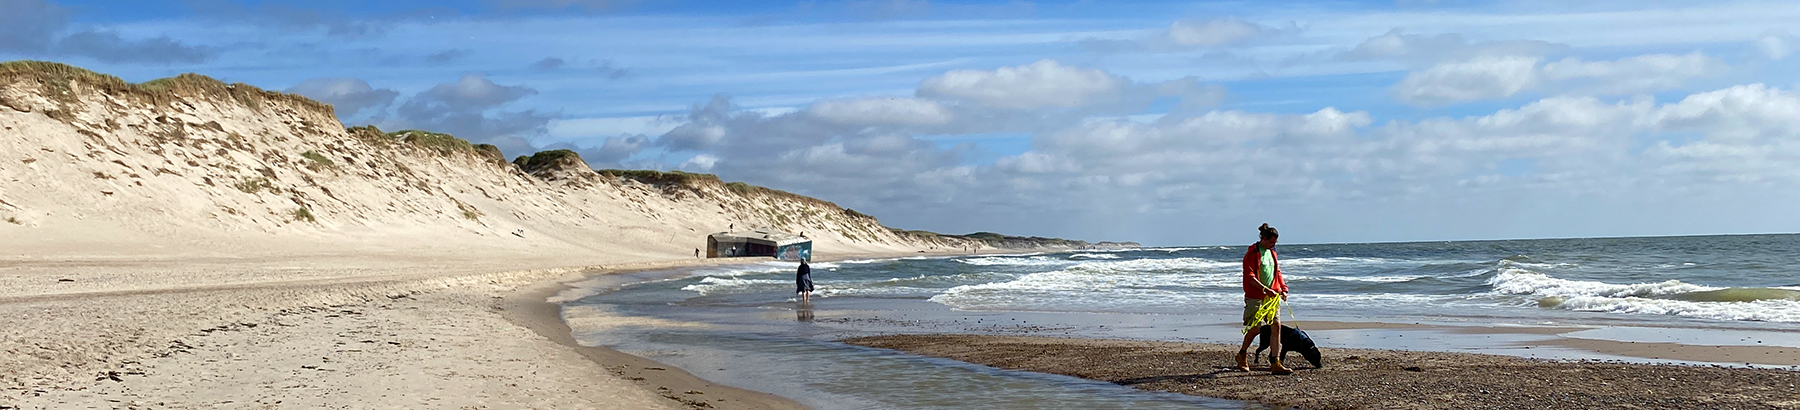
[1162, 122]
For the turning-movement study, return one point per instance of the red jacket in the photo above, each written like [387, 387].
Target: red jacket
[1252, 264]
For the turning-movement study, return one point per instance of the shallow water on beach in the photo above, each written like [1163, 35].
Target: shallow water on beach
[792, 352]
[740, 325]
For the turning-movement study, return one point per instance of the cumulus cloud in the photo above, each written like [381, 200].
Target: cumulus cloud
[470, 108]
[1579, 144]
[700, 163]
[616, 149]
[705, 127]
[877, 153]
[1485, 78]
[349, 96]
[1753, 113]
[1045, 83]
[473, 92]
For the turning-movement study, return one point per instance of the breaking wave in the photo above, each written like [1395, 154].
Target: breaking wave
[1670, 297]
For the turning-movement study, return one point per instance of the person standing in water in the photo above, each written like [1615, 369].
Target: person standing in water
[803, 284]
[1262, 280]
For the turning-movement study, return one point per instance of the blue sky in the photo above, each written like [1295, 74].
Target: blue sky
[1162, 122]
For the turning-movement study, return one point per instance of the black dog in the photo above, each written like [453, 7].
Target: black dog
[1292, 340]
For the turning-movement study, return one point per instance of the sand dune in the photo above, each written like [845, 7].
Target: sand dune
[189, 232]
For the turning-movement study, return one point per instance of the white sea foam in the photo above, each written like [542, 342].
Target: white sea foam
[1761, 310]
[1638, 298]
[1172, 250]
[756, 268]
[1107, 285]
[1343, 262]
[1015, 261]
[1160, 265]
[1375, 279]
[712, 285]
[1514, 281]
[889, 292]
[1093, 256]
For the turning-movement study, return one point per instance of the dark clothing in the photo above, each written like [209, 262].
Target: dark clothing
[803, 279]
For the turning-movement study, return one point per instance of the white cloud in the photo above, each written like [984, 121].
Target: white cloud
[693, 136]
[700, 162]
[1044, 84]
[348, 96]
[881, 111]
[617, 149]
[1477, 79]
[1744, 114]
[470, 108]
[1049, 85]
[1486, 78]
[1214, 144]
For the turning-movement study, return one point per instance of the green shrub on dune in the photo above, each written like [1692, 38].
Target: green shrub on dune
[59, 79]
[547, 160]
[654, 177]
[442, 143]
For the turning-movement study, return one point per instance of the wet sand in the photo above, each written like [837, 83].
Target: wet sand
[531, 308]
[1376, 379]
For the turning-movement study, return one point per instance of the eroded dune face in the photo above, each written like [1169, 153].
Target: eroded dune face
[193, 164]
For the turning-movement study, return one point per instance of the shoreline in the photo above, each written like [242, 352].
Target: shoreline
[531, 308]
[1366, 378]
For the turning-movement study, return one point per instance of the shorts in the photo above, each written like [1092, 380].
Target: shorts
[1250, 308]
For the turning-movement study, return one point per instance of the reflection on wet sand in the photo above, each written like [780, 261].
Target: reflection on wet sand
[804, 313]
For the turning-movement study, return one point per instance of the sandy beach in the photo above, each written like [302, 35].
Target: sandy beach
[424, 337]
[1370, 379]
[428, 336]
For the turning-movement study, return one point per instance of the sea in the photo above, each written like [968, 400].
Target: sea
[741, 325]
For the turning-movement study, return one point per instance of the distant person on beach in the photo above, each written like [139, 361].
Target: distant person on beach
[803, 282]
[1262, 280]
